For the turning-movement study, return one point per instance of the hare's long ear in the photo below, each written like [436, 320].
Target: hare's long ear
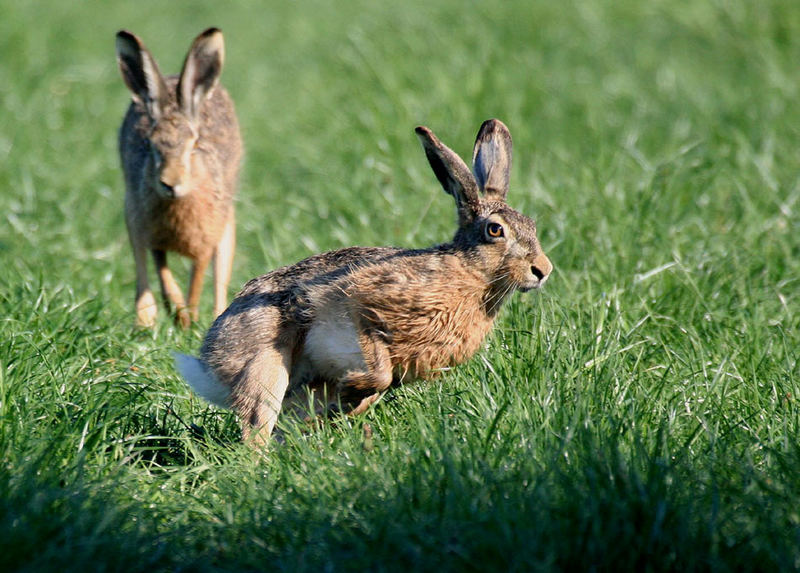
[452, 173]
[140, 72]
[491, 159]
[201, 71]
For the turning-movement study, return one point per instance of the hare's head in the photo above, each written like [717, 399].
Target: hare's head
[492, 235]
[173, 107]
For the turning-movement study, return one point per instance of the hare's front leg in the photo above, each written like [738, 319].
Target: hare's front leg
[258, 394]
[199, 266]
[223, 264]
[360, 389]
[146, 308]
[170, 291]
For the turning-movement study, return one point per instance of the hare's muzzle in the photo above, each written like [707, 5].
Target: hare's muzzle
[173, 191]
[541, 267]
[173, 176]
[171, 188]
[167, 191]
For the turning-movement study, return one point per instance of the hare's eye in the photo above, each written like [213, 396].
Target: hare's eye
[494, 230]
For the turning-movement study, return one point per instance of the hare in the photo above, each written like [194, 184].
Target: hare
[180, 150]
[346, 325]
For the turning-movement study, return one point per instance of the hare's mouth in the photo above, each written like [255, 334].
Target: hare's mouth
[532, 284]
[166, 191]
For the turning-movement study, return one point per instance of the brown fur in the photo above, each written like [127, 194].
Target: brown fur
[348, 324]
[180, 150]
[409, 300]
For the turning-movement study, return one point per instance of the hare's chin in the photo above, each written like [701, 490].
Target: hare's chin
[531, 285]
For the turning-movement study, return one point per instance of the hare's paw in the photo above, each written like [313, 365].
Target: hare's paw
[183, 317]
[146, 310]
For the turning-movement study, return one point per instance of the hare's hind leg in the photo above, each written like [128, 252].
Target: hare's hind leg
[259, 392]
[170, 291]
[223, 264]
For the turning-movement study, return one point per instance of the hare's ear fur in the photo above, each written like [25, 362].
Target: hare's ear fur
[201, 71]
[452, 173]
[491, 159]
[141, 74]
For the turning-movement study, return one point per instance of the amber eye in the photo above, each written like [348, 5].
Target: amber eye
[494, 230]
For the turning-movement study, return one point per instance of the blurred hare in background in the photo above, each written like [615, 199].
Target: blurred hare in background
[180, 149]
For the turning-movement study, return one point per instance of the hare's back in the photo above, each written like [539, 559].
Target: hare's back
[217, 129]
[219, 126]
[325, 268]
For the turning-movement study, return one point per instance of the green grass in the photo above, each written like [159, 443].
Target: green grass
[639, 413]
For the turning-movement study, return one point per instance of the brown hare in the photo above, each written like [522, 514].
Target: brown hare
[347, 324]
[180, 149]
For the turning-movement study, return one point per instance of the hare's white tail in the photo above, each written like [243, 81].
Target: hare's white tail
[202, 380]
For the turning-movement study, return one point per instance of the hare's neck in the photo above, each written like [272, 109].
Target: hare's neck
[494, 297]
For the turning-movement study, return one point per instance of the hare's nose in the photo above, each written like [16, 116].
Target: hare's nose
[541, 267]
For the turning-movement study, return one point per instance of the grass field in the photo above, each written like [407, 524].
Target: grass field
[640, 413]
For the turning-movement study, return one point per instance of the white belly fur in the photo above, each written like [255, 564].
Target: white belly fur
[332, 349]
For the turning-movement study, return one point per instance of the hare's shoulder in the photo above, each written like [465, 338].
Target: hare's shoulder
[431, 305]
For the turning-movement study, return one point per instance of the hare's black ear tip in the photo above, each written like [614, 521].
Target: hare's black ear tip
[213, 34]
[493, 124]
[126, 42]
[210, 39]
[425, 135]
